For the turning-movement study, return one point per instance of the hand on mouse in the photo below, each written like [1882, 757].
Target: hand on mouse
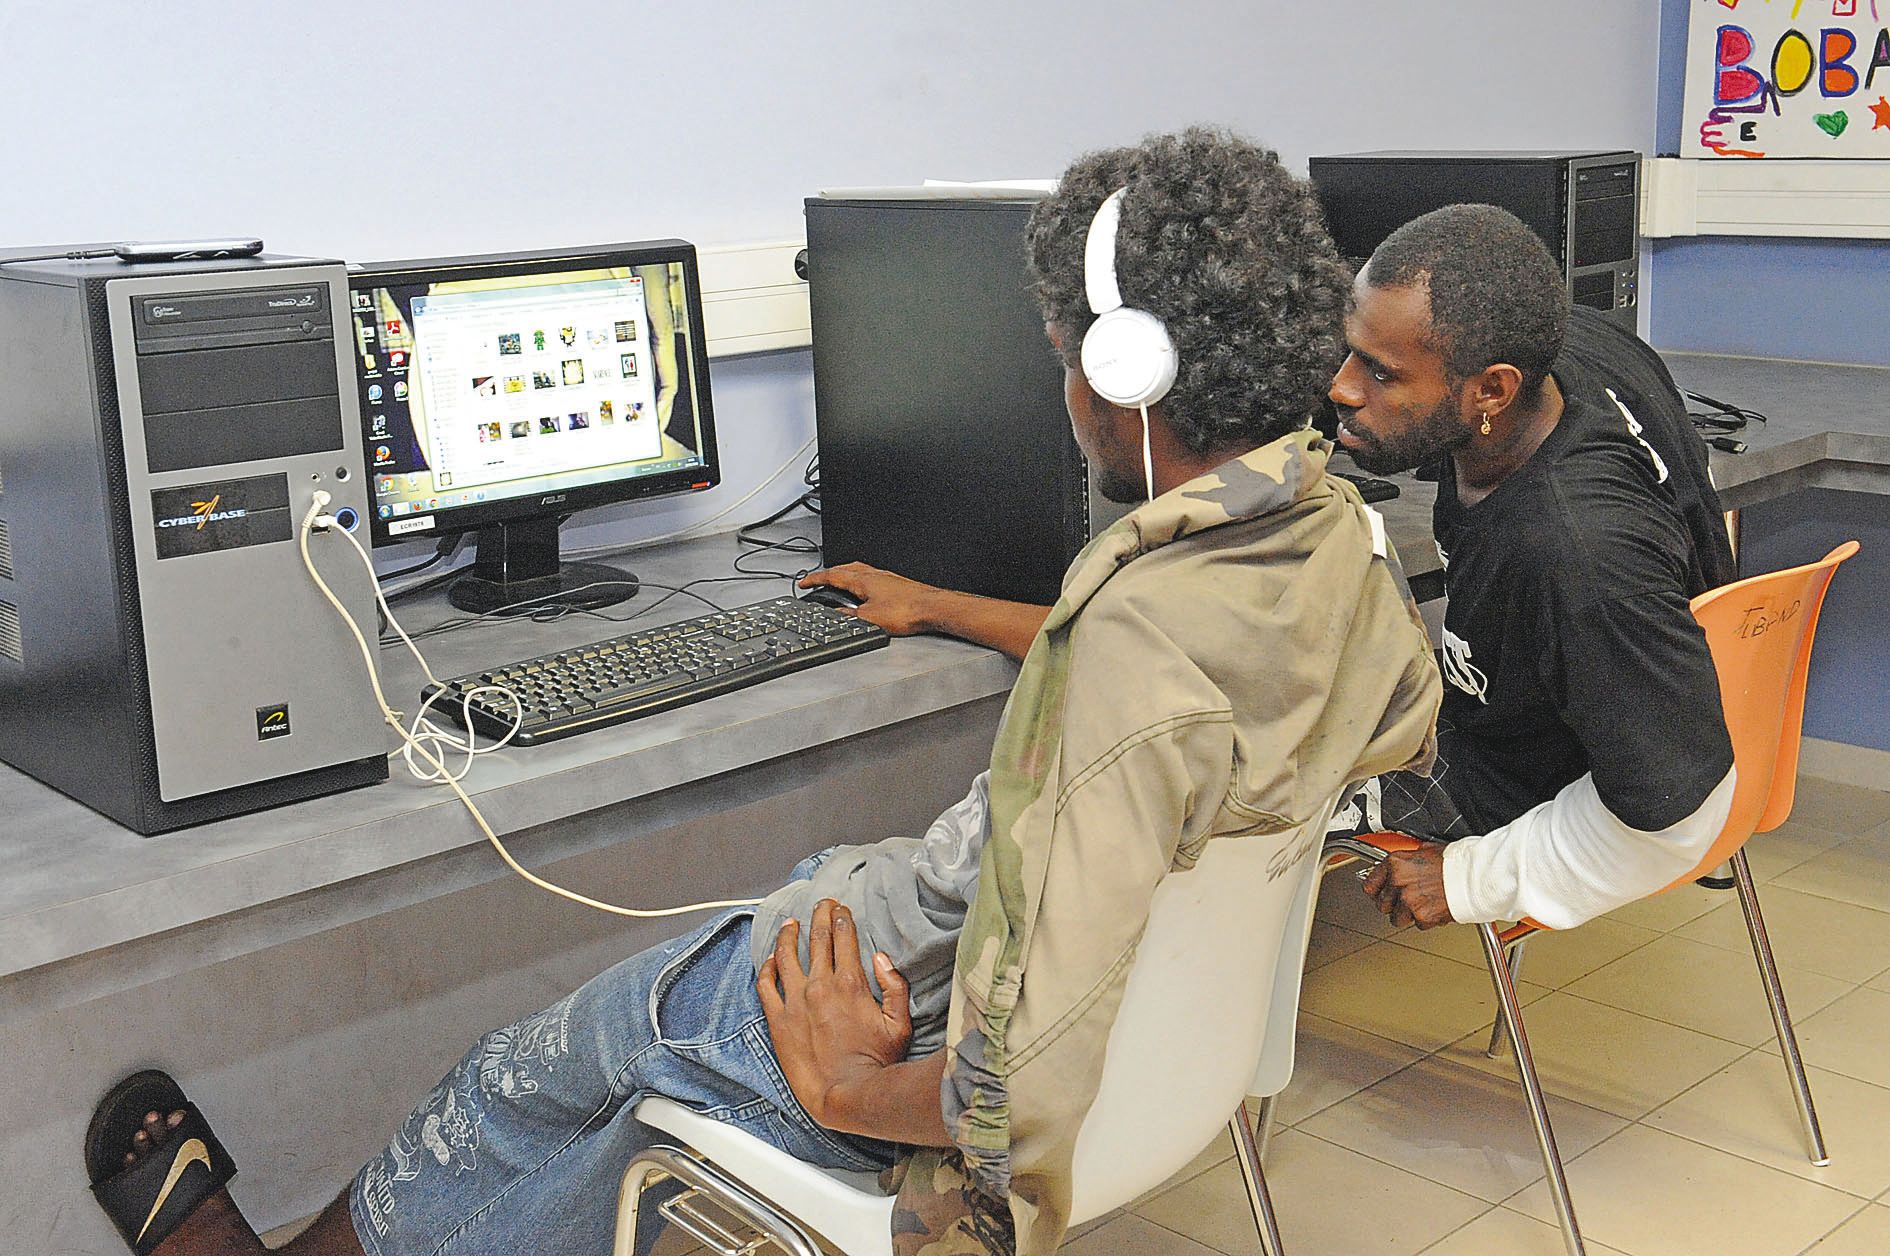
[900, 606]
[904, 607]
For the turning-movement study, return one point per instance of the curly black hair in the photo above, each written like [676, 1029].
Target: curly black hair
[1496, 293]
[1230, 251]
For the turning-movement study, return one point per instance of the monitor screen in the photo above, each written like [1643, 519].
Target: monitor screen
[506, 388]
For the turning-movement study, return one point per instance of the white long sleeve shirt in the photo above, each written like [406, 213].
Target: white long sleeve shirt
[1570, 859]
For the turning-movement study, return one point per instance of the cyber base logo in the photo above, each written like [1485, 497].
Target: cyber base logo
[272, 722]
[202, 513]
[191, 520]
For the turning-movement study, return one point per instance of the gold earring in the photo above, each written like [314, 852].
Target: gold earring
[1486, 425]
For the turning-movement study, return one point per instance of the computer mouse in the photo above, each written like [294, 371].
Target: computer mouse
[828, 595]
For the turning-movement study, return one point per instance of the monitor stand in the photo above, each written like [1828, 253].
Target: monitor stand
[518, 563]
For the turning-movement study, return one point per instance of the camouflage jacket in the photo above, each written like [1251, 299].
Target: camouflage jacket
[1221, 662]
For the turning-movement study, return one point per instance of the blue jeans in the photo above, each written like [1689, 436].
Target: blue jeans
[522, 1146]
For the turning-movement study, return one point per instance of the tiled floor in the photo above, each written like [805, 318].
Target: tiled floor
[1652, 1037]
[1397, 1135]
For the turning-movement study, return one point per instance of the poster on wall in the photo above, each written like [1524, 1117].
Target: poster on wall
[1787, 78]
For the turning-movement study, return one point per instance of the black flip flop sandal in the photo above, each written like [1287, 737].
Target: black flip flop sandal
[153, 1197]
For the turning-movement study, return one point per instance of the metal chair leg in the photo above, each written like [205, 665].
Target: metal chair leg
[1781, 1018]
[1247, 1151]
[659, 1162]
[1515, 974]
[1510, 1007]
[1263, 1126]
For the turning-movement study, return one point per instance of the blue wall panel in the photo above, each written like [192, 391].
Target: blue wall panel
[1669, 92]
[1849, 694]
[1817, 300]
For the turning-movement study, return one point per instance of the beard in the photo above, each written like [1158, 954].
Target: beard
[1429, 440]
[1119, 487]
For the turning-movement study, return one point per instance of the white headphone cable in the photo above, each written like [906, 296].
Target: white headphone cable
[416, 741]
[1148, 463]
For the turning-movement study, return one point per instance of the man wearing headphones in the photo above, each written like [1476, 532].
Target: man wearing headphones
[1583, 761]
[1223, 661]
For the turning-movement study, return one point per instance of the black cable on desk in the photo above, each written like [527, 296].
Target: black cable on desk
[551, 611]
[70, 255]
[753, 547]
[446, 546]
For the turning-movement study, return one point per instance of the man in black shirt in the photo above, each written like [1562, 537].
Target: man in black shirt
[1583, 760]
[1583, 756]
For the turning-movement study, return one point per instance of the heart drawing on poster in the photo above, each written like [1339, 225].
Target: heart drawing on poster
[1832, 124]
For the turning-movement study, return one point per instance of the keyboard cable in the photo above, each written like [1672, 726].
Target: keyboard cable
[425, 734]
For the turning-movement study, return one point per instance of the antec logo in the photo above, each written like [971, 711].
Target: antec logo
[272, 722]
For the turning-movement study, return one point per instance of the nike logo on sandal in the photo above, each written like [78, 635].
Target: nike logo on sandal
[192, 1152]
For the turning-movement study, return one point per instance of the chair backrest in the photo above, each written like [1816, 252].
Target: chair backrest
[1760, 631]
[1279, 1049]
[1194, 1016]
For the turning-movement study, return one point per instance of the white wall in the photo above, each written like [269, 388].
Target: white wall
[370, 131]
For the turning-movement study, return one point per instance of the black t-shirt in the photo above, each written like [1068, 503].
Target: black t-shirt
[1568, 645]
[1599, 356]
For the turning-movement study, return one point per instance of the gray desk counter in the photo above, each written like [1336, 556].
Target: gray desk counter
[1827, 426]
[77, 883]
[309, 971]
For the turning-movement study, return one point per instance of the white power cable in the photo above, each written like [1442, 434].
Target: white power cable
[425, 735]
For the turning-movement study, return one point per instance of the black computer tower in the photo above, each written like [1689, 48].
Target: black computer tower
[1584, 205]
[945, 448]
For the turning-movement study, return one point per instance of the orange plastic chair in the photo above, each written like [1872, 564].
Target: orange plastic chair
[1760, 631]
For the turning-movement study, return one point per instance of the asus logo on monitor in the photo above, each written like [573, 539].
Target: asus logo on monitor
[552, 500]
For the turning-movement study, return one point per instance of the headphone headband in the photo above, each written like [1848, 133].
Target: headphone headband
[1099, 255]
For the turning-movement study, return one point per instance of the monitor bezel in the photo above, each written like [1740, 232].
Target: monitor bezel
[452, 520]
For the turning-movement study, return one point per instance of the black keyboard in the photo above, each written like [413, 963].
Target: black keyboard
[656, 669]
[1370, 487]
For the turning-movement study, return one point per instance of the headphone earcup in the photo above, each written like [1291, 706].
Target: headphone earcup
[1128, 358]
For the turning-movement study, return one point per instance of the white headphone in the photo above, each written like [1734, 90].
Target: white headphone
[1127, 355]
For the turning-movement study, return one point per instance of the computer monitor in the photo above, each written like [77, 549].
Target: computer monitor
[504, 392]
